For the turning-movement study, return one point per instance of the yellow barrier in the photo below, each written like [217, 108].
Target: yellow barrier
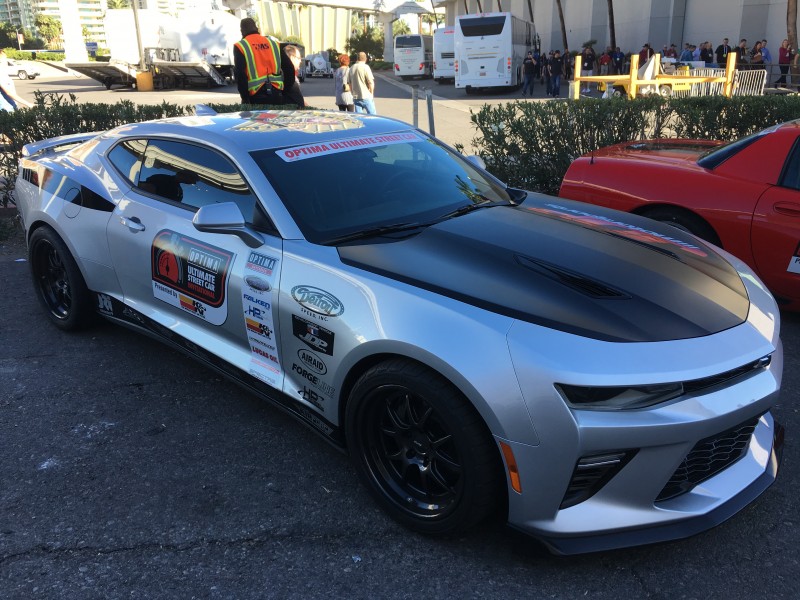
[631, 82]
[144, 81]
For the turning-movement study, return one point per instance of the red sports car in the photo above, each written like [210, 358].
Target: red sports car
[743, 196]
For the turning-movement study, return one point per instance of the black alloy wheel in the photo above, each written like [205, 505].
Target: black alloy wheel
[58, 281]
[421, 448]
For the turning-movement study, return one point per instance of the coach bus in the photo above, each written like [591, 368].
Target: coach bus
[444, 54]
[413, 56]
[490, 48]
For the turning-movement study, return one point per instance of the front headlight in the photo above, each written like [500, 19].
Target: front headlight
[617, 398]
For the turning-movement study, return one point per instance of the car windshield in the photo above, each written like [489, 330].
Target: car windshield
[375, 184]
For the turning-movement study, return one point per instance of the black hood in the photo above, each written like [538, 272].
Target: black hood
[569, 266]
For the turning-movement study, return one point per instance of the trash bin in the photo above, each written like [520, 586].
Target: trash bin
[144, 81]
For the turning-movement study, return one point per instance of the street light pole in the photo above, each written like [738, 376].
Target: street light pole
[19, 43]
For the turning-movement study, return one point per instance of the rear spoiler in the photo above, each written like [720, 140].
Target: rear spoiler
[56, 144]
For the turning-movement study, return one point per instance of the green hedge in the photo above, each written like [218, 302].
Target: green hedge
[531, 144]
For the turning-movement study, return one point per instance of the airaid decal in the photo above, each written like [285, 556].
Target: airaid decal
[312, 361]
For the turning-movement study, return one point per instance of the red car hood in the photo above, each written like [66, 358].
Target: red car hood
[666, 151]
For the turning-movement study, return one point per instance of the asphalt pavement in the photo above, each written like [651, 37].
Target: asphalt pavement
[129, 471]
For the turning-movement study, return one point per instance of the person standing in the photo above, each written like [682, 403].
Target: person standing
[722, 52]
[257, 66]
[707, 55]
[741, 52]
[290, 65]
[784, 60]
[588, 58]
[618, 61]
[528, 73]
[556, 69]
[362, 85]
[341, 85]
[10, 100]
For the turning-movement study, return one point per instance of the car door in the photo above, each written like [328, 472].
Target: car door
[775, 234]
[209, 292]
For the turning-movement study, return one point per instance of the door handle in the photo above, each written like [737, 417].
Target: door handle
[790, 209]
[132, 223]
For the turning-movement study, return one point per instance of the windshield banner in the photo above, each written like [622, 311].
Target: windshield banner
[367, 141]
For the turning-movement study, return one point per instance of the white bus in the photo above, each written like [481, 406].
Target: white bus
[444, 53]
[413, 56]
[490, 48]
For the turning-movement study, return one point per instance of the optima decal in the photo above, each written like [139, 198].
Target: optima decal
[314, 150]
[191, 275]
[317, 301]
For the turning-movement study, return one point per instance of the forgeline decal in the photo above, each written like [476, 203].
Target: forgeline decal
[313, 379]
[609, 225]
[255, 378]
[794, 262]
[313, 335]
[259, 322]
[306, 121]
[191, 275]
[321, 149]
[316, 301]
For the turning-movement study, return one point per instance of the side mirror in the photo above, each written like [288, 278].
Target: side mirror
[477, 161]
[226, 217]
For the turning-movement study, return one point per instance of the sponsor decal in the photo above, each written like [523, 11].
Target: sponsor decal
[191, 275]
[258, 328]
[312, 361]
[313, 397]
[609, 225]
[258, 278]
[313, 379]
[314, 336]
[317, 300]
[305, 121]
[260, 263]
[257, 285]
[316, 421]
[104, 304]
[313, 150]
[794, 262]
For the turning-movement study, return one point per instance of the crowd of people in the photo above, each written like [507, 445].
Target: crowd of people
[553, 67]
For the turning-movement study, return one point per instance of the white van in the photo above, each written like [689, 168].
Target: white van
[444, 54]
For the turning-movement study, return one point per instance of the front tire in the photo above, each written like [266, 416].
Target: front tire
[686, 221]
[59, 283]
[421, 448]
[22, 74]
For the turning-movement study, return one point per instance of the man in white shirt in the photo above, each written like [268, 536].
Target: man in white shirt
[362, 85]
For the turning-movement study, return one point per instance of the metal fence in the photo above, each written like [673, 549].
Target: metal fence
[750, 82]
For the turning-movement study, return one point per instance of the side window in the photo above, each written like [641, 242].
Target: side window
[194, 176]
[127, 158]
[790, 177]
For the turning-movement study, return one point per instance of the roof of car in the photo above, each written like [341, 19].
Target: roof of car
[257, 130]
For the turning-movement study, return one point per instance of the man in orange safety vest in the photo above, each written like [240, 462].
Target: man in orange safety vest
[257, 66]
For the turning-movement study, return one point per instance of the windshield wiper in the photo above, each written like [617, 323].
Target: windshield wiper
[462, 210]
[374, 231]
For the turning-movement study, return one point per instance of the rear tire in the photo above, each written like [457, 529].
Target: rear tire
[686, 221]
[22, 74]
[421, 448]
[59, 283]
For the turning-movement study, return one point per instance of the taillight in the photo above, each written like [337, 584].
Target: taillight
[455, 65]
[421, 66]
[509, 63]
[396, 67]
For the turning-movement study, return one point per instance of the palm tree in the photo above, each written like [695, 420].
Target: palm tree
[612, 28]
[563, 26]
[791, 32]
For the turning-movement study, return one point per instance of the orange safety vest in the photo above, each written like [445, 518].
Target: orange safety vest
[262, 60]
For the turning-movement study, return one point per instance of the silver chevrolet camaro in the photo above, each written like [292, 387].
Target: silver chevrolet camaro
[603, 379]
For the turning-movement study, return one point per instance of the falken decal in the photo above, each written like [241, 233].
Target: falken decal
[607, 224]
[259, 322]
[312, 335]
[191, 275]
[317, 301]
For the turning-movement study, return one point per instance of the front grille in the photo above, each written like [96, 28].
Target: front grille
[709, 457]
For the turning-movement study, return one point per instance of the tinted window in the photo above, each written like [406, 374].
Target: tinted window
[126, 157]
[790, 177]
[337, 188]
[408, 41]
[194, 176]
[480, 26]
